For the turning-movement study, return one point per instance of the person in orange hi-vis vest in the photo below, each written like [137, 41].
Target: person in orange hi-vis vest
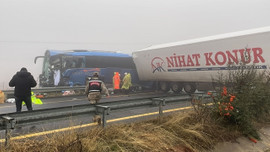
[116, 82]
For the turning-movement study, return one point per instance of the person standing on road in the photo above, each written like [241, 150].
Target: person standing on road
[116, 82]
[23, 81]
[126, 83]
[93, 90]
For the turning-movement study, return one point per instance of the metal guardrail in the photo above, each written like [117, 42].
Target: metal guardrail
[11, 121]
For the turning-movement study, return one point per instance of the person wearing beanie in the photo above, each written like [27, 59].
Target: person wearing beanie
[23, 81]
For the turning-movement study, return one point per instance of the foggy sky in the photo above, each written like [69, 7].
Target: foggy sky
[29, 27]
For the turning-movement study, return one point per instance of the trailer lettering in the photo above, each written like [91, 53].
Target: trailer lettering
[181, 61]
[232, 59]
[189, 61]
[196, 56]
[170, 62]
[208, 58]
[257, 52]
[220, 58]
[245, 55]
[175, 61]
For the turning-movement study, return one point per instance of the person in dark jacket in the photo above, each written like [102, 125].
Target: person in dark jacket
[23, 81]
[93, 90]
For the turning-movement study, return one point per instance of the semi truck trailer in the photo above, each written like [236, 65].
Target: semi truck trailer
[191, 63]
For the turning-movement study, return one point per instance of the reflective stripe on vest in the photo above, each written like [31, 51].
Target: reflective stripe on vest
[95, 86]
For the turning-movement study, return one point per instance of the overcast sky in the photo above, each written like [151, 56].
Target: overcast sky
[29, 27]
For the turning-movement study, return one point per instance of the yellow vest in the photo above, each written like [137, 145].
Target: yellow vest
[34, 99]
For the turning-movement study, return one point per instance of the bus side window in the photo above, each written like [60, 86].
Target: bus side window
[80, 63]
[73, 63]
[68, 64]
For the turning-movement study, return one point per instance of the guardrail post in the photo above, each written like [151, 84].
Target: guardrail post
[104, 110]
[160, 102]
[9, 123]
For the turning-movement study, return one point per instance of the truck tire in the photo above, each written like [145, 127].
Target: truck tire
[176, 87]
[189, 88]
[164, 86]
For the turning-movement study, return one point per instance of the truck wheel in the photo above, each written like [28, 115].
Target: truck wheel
[176, 87]
[164, 86]
[189, 88]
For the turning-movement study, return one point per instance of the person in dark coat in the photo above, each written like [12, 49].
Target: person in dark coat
[23, 81]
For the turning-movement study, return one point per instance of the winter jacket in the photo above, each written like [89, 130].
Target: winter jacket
[116, 81]
[126, 82]
[22, 81]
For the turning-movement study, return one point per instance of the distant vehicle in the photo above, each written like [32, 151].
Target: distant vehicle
[72, 68]
[193, 63]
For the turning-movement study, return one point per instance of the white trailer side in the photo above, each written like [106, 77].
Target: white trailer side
[193, 61]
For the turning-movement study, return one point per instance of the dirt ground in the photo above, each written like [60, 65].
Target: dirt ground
[243, 144]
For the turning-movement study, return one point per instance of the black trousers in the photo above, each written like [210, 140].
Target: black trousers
[27, 100]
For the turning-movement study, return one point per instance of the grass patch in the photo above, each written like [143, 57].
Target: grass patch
[176, 132]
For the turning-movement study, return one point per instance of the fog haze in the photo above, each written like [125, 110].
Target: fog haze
[29, 27]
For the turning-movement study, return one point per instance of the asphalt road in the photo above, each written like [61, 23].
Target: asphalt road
[71, 100]
[118, 116]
